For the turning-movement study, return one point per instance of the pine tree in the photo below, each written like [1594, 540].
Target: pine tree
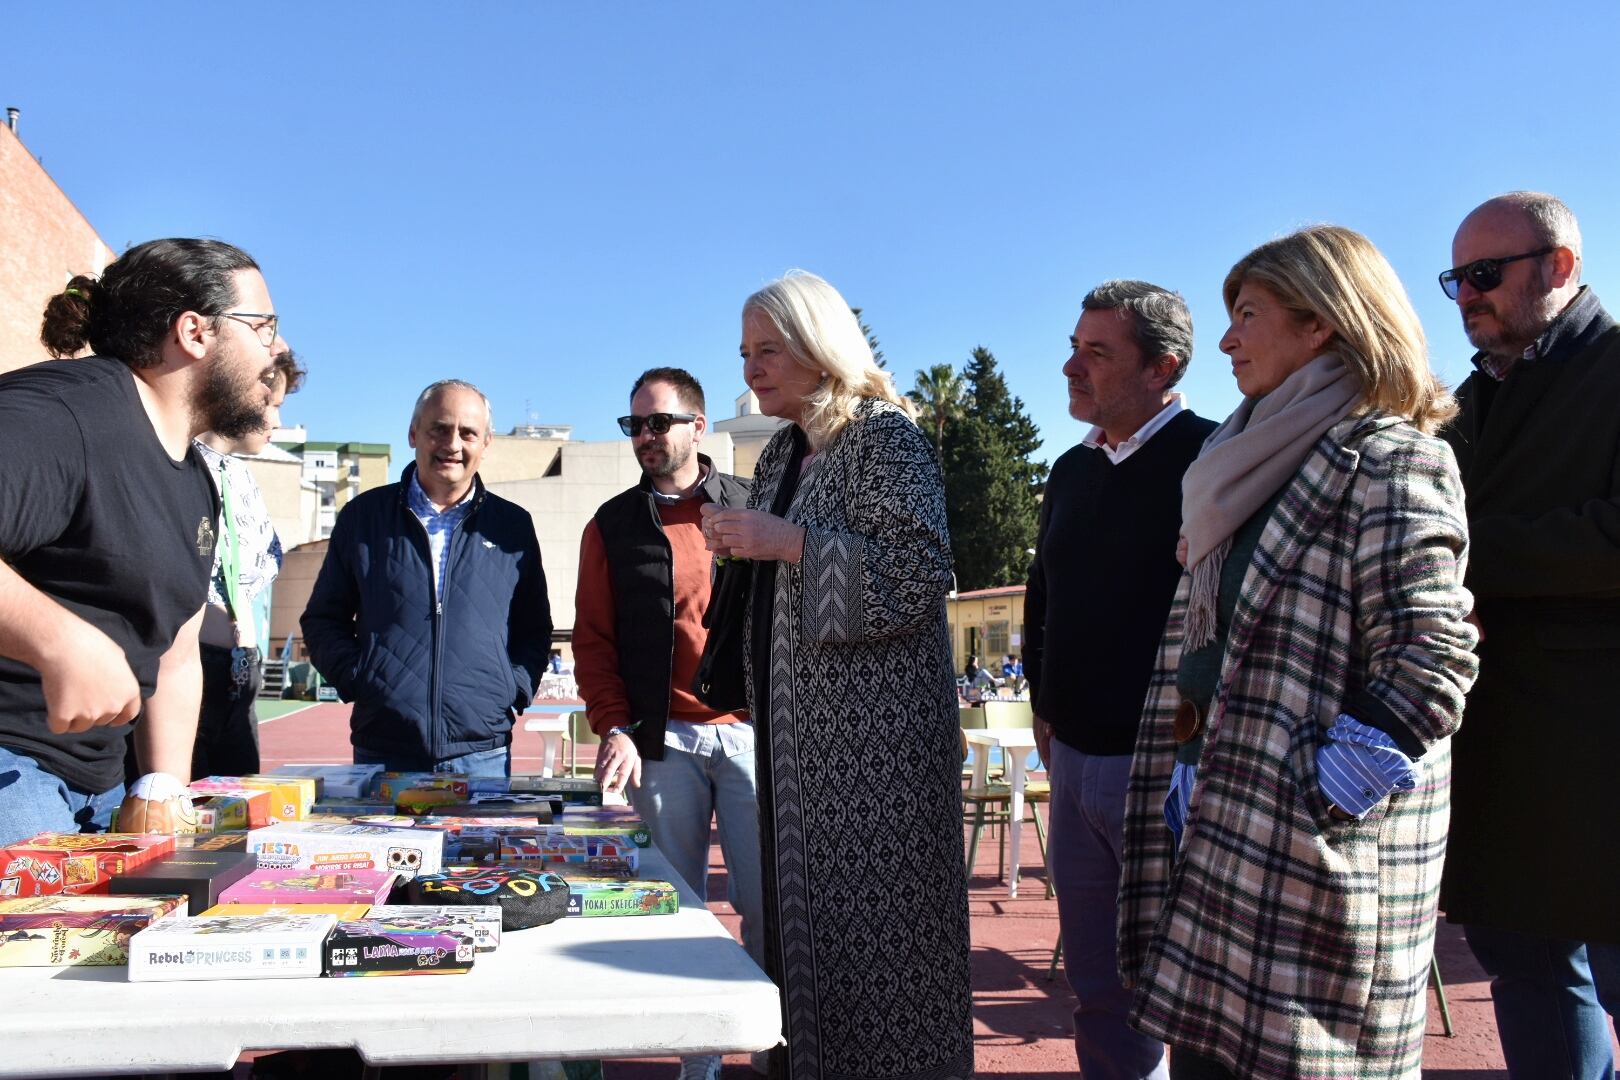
[871, 339]
[938, 394]
[991, 482]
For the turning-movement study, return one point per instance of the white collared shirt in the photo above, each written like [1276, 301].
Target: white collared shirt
[1117, 454]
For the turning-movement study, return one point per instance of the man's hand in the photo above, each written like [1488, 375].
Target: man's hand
[618, 764]
[752, 534]
[1043, 743]
[86, 679]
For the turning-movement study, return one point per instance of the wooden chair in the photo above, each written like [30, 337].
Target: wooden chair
[580, 734]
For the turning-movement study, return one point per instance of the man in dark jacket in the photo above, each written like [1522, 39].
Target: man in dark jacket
[430, 611]
[1099, 591]
[1530, 870]
[644, 585]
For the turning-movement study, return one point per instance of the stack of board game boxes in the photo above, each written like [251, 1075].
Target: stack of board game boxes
[312, 871]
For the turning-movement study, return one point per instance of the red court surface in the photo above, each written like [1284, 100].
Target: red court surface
[1021, 1021]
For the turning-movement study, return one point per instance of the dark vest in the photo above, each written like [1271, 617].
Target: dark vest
[640, 568]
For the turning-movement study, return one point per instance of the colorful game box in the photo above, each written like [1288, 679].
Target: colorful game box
[231, 811]
[51, 864]
[349, 808]
[594, 897]
[224, 841]
[571, 789]
[290, 796]
[392, 784]
[580, 825]
[267, 886]
[213, 947]
[315, 846]
[342, 912]
[485, 921]
[200, 875]
[556, 849]
[335, 781]
[77, 931]
[414, 945]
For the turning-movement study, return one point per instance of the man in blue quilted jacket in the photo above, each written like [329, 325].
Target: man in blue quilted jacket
[430, 611]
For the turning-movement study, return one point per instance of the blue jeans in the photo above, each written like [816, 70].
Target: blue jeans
[1554, 1002]
[1084, 853]
[496, 762]
[678, 798]
[33, 801]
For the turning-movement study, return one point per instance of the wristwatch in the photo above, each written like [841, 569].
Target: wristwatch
[625, 731]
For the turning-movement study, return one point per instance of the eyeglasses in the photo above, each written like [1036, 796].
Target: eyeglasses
[264, 326]
[657, 422]
[1483, 274]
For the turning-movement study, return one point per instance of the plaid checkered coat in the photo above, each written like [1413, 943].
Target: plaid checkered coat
[1278, 940]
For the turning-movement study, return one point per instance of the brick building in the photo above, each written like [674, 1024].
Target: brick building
[44, 240]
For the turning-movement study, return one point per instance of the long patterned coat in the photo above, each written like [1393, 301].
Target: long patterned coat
[1280, 941]
[859, 759]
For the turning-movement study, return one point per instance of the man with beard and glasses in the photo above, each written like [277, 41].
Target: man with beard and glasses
[430, 610]
[107, 521]
[247, 561]
[1529, 871]
[644, 582]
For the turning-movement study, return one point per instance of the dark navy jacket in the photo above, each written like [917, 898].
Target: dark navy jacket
[429, 677]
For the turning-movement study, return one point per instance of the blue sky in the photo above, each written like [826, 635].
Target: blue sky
[548, 198]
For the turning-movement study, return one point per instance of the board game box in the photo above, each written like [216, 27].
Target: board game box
[335, 781]
[224, 841]
[594, 897]
[550, 847]
[305, 845]
[485, 921]
[342, 912]
[412, 945]
[54, 863]
[77, 931]
[213, 947]
[391, 784]
[287, 794]
[199, 875]
[270, 886]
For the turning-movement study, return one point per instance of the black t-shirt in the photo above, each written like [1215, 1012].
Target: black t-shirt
[96, 515]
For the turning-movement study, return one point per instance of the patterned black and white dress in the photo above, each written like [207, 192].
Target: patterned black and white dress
[859, 758]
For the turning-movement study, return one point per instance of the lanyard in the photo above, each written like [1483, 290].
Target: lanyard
[230, 552]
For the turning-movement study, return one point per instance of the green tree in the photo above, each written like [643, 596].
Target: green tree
[938, 395]
[871, 339]
[992, 484]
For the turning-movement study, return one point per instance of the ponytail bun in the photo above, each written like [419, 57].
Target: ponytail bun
[66, 329]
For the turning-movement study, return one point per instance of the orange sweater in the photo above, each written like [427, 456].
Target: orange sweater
[596, 654]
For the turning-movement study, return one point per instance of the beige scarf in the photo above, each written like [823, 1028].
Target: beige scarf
[1244, 463]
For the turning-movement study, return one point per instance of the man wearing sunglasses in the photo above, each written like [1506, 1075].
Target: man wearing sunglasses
[430, 610]
[644, 584]
[107, 522]
[1530, 868]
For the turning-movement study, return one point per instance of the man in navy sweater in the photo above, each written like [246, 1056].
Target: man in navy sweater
[1100, 588]
[430, 610]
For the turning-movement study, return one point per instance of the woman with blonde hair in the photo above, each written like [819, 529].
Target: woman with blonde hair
[1289, 797]
[852, 688]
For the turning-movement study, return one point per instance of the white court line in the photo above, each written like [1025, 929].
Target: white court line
[263, 720]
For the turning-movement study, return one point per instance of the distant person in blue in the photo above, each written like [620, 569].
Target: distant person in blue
[1531, 870]
[1100, 586]
[430, 612]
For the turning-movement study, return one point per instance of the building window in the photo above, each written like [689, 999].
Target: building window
[995, 640]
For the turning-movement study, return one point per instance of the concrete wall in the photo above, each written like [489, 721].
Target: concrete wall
[592, 473]
[44, 240]
[283, 496]
[516, 457]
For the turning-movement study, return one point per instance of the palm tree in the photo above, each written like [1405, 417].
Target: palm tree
[938, 395]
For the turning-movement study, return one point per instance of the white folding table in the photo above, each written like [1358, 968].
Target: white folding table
[578, 988]
[553, 727]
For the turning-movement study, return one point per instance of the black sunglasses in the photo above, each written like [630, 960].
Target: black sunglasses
[657, 422]
[1483, 274]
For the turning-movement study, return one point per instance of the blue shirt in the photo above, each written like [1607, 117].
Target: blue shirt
[440, 525]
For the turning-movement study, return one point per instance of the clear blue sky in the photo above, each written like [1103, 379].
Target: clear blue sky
[548, 198]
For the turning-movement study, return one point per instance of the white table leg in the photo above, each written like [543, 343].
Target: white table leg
[552, 741]
[1015, 762]
[981, 764]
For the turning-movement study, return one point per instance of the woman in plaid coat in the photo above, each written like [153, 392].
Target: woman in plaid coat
[1317, 655]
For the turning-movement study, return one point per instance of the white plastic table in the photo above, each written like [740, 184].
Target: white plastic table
[552, 726]
[1015, 744]
[578, 988]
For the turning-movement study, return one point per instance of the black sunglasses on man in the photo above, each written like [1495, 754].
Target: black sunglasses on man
[1483, 274]
[657, 422]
